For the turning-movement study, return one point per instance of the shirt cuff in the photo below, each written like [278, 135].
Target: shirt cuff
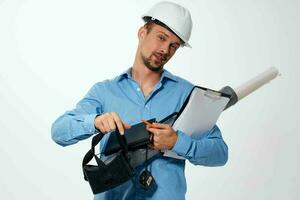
[89, 123]
[182, 144]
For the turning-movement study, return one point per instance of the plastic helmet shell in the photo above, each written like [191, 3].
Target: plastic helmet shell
[176, 17]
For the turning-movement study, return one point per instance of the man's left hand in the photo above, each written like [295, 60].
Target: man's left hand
[164, 136]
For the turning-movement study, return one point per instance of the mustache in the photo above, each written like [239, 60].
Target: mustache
[163, 57]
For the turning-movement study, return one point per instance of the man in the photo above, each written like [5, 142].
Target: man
[145, 91]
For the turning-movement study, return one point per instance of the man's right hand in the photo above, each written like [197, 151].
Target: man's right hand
[108, 122]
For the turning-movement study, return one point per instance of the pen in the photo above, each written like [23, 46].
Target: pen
[148, 123]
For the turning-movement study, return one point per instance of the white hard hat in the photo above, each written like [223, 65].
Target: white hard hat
[175, 17]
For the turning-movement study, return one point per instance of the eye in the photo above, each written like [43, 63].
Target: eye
[161, 38]
[175, 46]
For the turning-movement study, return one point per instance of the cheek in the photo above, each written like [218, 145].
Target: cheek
[172, 52]
[152, 43]
[149, 48]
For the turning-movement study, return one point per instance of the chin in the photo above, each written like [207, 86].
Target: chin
[155, 68]
[152, 65]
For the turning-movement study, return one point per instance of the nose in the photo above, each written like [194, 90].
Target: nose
[164, 48]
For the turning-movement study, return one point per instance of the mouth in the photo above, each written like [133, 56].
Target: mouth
[160, 58]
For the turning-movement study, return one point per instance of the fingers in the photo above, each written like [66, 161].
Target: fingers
[100, 126]
[118, 122]
[109, 122]
[159, 126]
[155, 137]
[106, 125]
[156, 146]
[151, 137]
[164, 136]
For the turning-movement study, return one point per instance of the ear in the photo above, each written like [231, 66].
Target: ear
[142, 33]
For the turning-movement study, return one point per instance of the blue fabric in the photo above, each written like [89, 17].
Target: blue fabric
[123, 95]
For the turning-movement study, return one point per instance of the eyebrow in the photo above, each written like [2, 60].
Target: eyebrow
[168, 37]
[163, 33]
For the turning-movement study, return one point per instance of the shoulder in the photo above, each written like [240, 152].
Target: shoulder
[100, 85]
[107, 85]
[184, 82]
[180, 82]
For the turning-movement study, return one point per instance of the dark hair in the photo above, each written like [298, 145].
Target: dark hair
[148, 26]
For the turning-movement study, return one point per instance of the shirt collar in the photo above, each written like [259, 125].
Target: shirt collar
[165, 75]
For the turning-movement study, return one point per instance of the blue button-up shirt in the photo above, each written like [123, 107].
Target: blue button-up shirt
[124, 96]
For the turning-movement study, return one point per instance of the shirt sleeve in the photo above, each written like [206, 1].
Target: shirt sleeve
[78, 124]
[208, 150]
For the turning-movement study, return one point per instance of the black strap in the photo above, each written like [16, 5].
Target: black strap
[96, 139]
[168, 117]
[123, 143]
[91, 153]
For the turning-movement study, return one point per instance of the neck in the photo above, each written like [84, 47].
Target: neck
[146, 78]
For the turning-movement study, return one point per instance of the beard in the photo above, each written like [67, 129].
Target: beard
[154, 66]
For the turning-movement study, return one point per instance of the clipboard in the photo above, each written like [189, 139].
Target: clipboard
[199, 113]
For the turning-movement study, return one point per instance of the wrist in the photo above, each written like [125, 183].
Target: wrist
[96, 122]
[173, 140]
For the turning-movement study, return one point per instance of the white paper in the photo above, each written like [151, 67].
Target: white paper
[200, 114]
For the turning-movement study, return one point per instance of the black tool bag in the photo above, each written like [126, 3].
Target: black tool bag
[137, 137]
[107, 174]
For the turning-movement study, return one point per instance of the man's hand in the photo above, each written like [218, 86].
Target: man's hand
[164, 136]
[108, 122]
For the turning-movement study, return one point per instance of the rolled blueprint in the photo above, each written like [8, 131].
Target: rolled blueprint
[249, 86]
[255, 83]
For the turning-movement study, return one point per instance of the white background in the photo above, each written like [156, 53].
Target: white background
[52, 52]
